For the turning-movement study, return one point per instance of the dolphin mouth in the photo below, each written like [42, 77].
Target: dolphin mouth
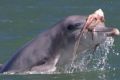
[113, 32]
[95, 23]
[109, 31]
[97, 18]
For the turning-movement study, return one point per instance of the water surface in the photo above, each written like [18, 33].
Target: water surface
[21, 20]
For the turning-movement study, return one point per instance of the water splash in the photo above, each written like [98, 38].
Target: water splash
[90, 61]
[86, 62]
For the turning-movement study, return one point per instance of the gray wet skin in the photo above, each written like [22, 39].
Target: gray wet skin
[54, 46]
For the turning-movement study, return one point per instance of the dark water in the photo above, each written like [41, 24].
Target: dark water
[21, 20]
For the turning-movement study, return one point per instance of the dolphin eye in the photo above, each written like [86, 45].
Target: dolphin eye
[74, 26]
[77, 24]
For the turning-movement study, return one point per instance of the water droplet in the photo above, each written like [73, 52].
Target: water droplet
[117, 54]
